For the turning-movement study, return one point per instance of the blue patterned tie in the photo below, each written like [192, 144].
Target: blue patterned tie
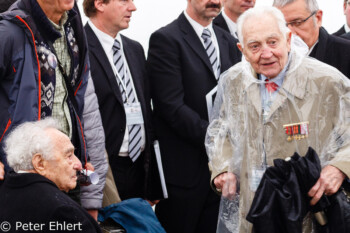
[211, 52]
[128, 95]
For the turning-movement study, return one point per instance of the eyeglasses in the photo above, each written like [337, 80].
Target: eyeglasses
[298, 22]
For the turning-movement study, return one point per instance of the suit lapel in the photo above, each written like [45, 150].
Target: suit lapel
[224, 51]
[294, 86]
[130, 58]
[97, 50]
[221, 22]
[320, 47]
[193, 41]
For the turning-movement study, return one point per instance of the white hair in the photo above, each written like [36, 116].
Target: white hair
[28, 139]
[261, 12]
[311, 5]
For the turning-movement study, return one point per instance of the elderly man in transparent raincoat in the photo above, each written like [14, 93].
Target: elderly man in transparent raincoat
[272, 104]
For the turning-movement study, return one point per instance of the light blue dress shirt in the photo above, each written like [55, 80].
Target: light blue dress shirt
[267, 97]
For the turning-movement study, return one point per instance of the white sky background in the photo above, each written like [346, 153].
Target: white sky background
[153, 14]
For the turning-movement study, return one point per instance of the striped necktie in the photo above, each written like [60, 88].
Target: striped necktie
[211, 52]
[128, 96]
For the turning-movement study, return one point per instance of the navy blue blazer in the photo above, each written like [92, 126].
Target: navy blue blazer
[334, 51]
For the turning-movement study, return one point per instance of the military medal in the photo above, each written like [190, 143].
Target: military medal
[297, 131]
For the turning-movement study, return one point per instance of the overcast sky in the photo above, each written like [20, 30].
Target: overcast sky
[153, 14]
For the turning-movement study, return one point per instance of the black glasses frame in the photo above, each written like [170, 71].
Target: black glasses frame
[298, 22]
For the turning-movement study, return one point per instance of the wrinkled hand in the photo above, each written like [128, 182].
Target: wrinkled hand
[2, 171]
[329, 182]
[88, 166]
[227, 183]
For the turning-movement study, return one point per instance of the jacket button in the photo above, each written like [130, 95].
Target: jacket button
[121, 129]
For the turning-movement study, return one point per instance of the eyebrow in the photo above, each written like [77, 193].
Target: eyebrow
[69, 150]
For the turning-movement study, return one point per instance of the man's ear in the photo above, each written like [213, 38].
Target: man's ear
[39, 164]
[344, 6]
[318, 16]
[240, 47]
[289, 40]
[99, 5]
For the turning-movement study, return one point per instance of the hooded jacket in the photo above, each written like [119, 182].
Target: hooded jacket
[22, 28]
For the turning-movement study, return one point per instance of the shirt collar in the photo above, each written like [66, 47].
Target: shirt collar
[106, 40]
[312, 47]
[197, 27]
[231, 25]
[280, 77]
[346, 28]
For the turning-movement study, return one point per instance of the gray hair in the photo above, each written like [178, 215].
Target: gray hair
[28, 139]
[262, 12]
[311, 5]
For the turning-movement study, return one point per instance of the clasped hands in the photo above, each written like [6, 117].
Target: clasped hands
[329, 182]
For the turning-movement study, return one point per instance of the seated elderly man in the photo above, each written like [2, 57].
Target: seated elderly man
[274, 103]
[45, 165]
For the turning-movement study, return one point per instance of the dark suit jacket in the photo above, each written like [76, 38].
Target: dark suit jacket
[109, 96]
[334, 51]
[340, 32]
[32, 198]
[181, 76]
[221, 22]
[346, 36]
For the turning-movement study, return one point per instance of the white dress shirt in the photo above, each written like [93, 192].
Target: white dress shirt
[232, 26]
[107, 44]
[312, 48]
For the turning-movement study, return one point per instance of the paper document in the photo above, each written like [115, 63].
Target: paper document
[210, 98]
[160, 168]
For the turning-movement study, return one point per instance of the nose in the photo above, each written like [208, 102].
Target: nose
[77, 164]
[215, 2]
[132, 6]
[266, 53]
[292, 29]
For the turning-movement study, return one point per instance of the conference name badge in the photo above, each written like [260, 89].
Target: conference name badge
[133, 113]
[296, 131]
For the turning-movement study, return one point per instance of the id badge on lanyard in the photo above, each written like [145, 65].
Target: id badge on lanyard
[133, 113]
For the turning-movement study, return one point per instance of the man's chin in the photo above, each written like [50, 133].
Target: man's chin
[213, 12]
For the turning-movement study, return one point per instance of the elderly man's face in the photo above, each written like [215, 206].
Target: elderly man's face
[62, 169]
[308, 30]
[265, 47]
[237, 7]
[205, 9]
[59, 6]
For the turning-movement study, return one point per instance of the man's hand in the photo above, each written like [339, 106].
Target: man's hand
[88, 166]
[2, 171]
[227, 183]
[329, 182]
[93, 213]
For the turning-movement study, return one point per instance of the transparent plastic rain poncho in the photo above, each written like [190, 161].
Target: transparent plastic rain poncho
[243, 138]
